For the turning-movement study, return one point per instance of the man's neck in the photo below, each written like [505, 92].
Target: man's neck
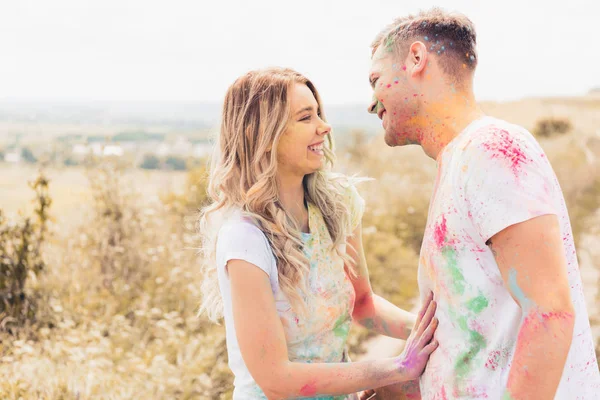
[449, 115]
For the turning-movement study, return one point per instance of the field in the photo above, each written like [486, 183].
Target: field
[114, 309]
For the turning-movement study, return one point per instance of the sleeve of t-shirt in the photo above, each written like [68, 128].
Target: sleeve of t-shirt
[508, 180]
[244, 241]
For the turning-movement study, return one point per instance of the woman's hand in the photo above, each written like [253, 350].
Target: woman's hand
[420, 343]
[366, 395]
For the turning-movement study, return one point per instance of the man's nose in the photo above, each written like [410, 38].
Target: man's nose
[372, 109]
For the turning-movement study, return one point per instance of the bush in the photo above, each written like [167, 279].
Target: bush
[150, 161]
[28, 156]
[548, 127]
[122, 294]
[20, 258]
[176, 163]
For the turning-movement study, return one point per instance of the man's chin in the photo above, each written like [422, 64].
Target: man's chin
[397, 139]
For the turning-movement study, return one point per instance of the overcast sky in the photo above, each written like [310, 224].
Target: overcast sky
[180, 50]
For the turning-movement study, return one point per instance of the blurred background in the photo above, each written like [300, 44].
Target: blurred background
[108, 112]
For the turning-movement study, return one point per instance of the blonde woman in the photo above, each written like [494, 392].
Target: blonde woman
[285, 258]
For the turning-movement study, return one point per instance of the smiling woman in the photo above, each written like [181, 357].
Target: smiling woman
[284, 258]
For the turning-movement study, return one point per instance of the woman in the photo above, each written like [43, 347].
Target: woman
[286, 265]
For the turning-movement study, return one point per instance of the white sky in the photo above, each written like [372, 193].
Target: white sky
[191, 50]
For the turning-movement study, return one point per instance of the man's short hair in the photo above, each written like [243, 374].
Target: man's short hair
[449, 36]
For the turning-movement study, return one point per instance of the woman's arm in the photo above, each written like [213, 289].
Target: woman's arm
[263, 346]
[371, 310]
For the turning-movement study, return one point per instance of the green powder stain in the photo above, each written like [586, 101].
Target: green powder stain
[475, 345]
[458, 279]
[341, 327]
[477, 304]
[368, 323]
[389, 44]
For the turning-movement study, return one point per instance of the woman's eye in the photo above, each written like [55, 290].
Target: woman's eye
[305, 118]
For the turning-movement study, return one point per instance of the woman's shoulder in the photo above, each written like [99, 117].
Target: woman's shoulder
[237, 224]
[240, 238]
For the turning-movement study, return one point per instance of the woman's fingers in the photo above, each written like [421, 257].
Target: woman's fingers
[430, 348]
[428, 334]
[424, 308]
[427, 318]
[367, 394]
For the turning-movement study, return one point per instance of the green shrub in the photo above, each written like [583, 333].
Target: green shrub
[20, 258]
[547, 127]
[150, 161]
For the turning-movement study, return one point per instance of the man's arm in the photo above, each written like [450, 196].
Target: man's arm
[531, 259]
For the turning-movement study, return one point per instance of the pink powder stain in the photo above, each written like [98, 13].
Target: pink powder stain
[404, 68]
[440, 231]
[505, 147]
[443, 393]
[493, 360]
[309, 389]
[389, 85]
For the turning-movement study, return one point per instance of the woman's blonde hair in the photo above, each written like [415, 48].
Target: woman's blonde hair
[256, 113]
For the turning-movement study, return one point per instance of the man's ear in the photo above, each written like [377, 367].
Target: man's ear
[417, 58]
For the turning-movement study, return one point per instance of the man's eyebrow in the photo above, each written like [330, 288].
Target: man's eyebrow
[308, 108]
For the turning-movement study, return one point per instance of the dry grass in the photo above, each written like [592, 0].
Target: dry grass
[116, 305]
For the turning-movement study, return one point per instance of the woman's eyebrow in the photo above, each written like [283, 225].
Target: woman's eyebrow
[309, 108]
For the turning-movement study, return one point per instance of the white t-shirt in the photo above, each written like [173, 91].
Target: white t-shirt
[321, 335]
[492, 175]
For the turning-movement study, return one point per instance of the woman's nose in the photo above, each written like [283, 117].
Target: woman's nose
[325, 129]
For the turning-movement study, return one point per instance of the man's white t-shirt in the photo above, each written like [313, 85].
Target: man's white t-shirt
[491, 176]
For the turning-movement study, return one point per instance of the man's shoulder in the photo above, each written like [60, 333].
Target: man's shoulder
[499, 139]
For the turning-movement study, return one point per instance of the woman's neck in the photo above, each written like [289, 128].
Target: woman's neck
[291, 197]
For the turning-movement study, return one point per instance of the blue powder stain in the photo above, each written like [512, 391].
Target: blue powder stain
[426, 38]
[517, 291]
[443, 48]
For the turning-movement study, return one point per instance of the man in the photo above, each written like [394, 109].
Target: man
[498, 249]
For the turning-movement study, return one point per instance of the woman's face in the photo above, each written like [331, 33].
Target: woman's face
[300, 149]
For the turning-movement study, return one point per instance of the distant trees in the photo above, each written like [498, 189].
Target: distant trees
[548, 127]
[150, 161]
[176, 163]
[28, 156]
[137, 136]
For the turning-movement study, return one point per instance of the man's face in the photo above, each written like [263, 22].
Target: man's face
[395, 98]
